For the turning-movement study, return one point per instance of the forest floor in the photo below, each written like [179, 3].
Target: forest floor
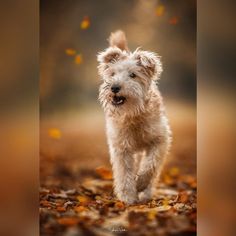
[76, 196]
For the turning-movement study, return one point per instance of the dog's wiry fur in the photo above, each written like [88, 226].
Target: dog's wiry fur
[137, 128]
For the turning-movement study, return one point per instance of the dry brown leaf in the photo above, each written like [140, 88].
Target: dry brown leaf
[61, 209]
[104, 173]
[183, 197]
[151, 215]
[45, 203]
[80, 208]
[83, 199]
[120, 205]
[168, 180]
[174, 171]
[68, 221]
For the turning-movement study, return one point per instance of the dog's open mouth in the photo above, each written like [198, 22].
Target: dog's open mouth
[118, 100]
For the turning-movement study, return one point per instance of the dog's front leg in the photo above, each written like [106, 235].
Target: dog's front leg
[124, 175]
[149, 170]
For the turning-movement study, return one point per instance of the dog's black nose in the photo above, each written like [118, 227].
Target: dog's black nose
[115, 88]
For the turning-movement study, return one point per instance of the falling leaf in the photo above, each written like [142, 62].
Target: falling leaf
[85, 23]
[78, 59]
[174, 172]
[68, 221]
[70, 52]
[174, 20]
[104, 173]
[54, 133]
[160, 10]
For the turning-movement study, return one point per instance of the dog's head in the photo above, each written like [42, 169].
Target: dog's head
[127, 78]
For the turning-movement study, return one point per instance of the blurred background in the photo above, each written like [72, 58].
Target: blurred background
[71, 34]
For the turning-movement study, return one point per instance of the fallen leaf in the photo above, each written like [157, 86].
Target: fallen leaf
[168, 180]
[160, 10]
[174, 172]
[85, 23]
[104, 173]
[80, 208]
[70, 52]
[54, 133]
[78, 59]
[163, 208]
[45, 203]
[165, 202]
[183, 197]
[151, 215]
[181, 207]
[83, 200]
[61, 209]
[174, 20]
[68, 221]
[120, 205]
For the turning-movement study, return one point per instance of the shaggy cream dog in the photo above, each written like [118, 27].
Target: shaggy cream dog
[137, 128]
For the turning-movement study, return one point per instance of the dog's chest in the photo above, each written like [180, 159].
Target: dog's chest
[136, 134]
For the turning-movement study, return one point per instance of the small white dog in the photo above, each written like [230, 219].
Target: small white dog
[137, 128]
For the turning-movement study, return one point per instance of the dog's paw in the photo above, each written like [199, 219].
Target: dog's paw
[145, 195]
[128, 199]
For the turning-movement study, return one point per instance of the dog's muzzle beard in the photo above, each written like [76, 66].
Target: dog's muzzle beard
[118, 100]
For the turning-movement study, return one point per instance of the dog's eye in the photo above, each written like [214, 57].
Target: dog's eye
[112, 74]
[132, 75]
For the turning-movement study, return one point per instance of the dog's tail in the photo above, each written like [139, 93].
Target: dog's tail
[118, 39]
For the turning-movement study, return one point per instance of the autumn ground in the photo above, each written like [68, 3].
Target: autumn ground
[76, 183]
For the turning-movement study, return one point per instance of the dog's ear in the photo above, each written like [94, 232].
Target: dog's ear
[109, 56]
[150, 62]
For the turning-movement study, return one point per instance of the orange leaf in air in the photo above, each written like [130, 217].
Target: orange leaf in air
[160, 10]
[70, 52]
[68, 221]
[78, 59]
[104, 173]
[85, 23]
[54, 133]
[174, 20]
